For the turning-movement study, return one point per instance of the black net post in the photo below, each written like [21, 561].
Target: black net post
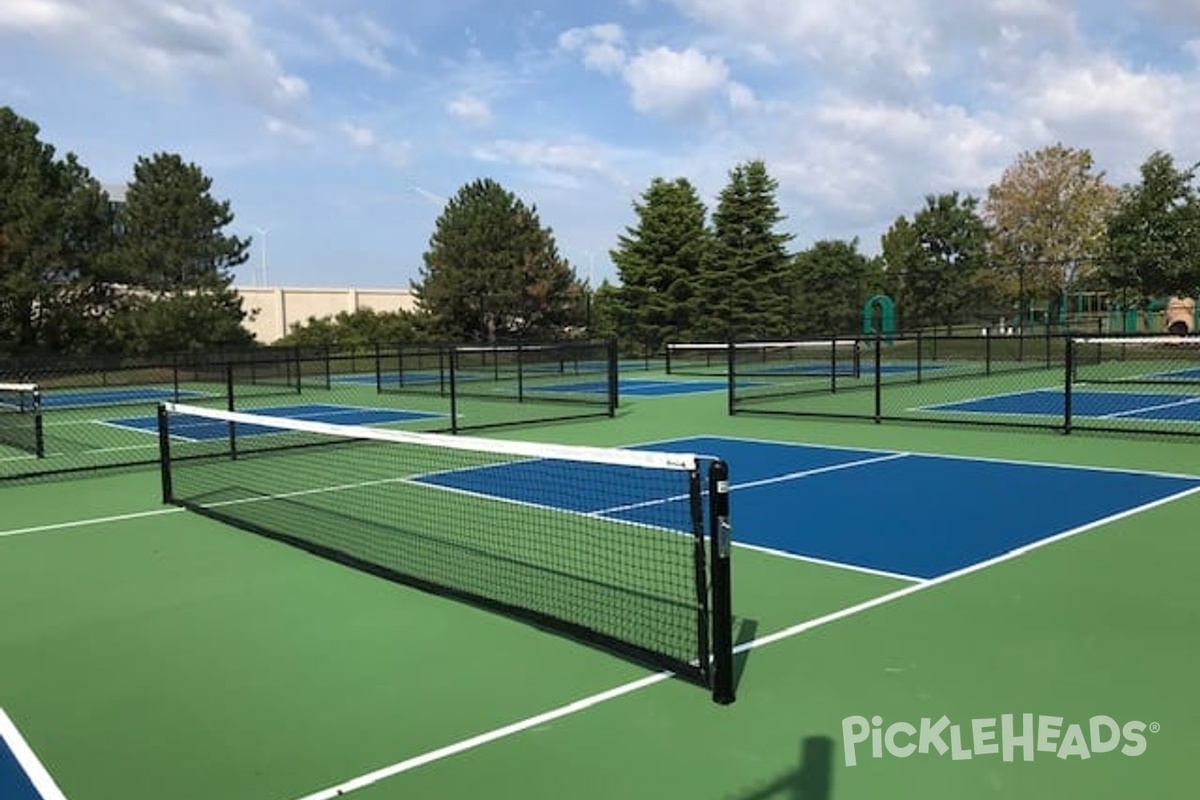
[833, 366]
[378, 370]
[722, 594]
[295, 362]
[39, 429]
[614, 377]
[231, 404]
[453, 356]
[164, 454]
[920, 355]
[520, 373]
[878, 378]
[731, 371]
[1068, 381]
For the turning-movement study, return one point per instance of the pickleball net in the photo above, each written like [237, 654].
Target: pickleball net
[21, 426]
[1133, 360]
[817, 358]
[625, 549]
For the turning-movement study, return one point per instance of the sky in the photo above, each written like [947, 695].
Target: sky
[337, 129]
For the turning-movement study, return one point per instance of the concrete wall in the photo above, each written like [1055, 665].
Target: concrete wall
[271, 310]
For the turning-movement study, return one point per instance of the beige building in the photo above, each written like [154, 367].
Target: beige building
[272, 310]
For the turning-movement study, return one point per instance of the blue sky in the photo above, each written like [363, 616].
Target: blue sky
[340, 126]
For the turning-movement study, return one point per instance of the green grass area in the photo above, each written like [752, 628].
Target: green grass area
[163, 654]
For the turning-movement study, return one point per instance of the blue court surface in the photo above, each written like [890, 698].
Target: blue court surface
[84, 398]
[22, 776]
[1159, 406]
[199, 428]
[909, 515]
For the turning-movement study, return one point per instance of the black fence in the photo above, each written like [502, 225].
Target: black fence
[1066, 383]
[98, 414]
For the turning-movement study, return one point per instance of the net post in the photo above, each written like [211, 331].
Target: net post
[378, 370]
[442, 373]
[453, 357]
[832, 366]
[878, 378]
[987, 350]
[230, 403]
[175, 377]
[328, 367]
[164, 454]
[296, 361]
[920, 355]
[1068, 381]
[520, 372]
[731, 372]
[39, 430]
[614, 385]
[722, 594]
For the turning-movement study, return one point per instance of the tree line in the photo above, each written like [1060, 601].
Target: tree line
[81, 274]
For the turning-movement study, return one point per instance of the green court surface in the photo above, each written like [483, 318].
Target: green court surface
[147, 652]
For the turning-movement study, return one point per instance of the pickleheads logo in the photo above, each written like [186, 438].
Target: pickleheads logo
[1006, 737]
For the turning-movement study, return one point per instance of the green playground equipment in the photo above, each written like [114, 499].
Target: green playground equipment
[887, 318]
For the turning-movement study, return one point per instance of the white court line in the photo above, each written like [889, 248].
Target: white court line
[370, 778]
[822, 562]
[83, 523]
[1144, 409]
[45, 786]
[657, 501]
[955, 457]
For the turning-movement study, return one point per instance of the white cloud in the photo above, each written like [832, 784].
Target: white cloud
[164, 44]
[574, 156]
[470, 110]
[288, 130]
[395, 152]
[741, 97]
[359, 136]
[361, 41]
[662, 80]
[602, 46]
[566, 164]
[674, 83]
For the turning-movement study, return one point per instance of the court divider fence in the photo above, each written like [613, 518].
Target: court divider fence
[98, 413]
[1139, 385]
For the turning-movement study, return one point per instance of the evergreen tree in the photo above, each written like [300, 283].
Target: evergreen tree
[52, 242]
[745, 289]
[177, 261]
[660, 260]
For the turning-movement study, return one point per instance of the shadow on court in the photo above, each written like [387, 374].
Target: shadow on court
[747, 631]
[811, 780]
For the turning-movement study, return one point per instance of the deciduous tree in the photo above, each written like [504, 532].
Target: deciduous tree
[1154, 236]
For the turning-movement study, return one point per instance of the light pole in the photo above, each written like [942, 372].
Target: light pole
[263, 273]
